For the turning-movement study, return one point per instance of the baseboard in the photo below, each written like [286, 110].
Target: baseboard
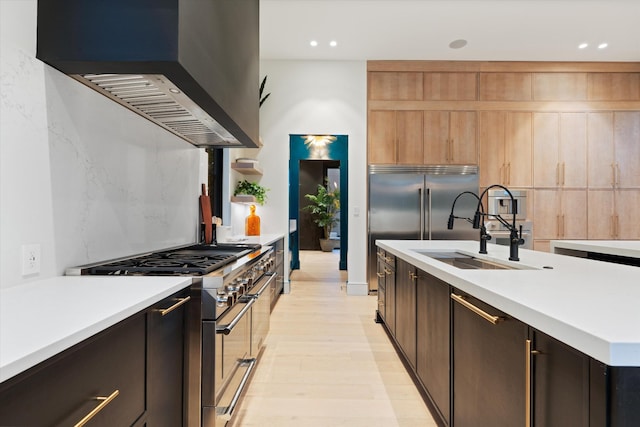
[357, 288]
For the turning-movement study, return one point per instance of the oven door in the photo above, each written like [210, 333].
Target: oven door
[225, 353]
[261, 312]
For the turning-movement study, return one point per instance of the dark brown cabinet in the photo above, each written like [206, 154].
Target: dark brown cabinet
[386, 272]
[432, 340]
[106, 370]
[560, 383]
[166, 355]
[133, 372]
[488, 365]
[406, 278]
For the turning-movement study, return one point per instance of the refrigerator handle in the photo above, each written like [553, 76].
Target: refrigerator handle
[429, 211]
[421, 194]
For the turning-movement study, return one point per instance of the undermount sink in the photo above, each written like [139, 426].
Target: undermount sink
[468, 262]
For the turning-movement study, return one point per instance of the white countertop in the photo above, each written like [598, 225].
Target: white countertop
[264, 239]
[42, 318]
[626, 248]
[590, 305]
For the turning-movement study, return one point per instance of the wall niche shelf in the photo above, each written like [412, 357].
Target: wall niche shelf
[247, 168]
[244, 198]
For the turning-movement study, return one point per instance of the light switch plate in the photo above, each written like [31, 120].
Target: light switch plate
[30, 259]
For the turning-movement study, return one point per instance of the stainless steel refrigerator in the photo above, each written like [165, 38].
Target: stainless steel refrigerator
[414, 203]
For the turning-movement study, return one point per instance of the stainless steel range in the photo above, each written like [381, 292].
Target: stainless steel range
[227, 323]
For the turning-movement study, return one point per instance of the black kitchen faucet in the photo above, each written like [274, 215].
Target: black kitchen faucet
[484, 236]
[515, 238]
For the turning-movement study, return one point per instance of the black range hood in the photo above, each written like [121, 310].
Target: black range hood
[190, 66]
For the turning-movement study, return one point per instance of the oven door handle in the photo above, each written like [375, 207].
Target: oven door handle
[227, 329]
[272, 277]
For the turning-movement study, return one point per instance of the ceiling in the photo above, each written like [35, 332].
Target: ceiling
[499, 30]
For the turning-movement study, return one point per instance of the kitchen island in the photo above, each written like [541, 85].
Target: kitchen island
[512, 341]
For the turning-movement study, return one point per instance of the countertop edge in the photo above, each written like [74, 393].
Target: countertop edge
[626, 248]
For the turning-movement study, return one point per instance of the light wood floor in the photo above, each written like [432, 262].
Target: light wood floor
[326, 362]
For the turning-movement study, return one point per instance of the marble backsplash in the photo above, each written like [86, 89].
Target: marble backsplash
[83, 177]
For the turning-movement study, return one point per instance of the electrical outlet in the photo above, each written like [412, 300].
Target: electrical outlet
[30, 259]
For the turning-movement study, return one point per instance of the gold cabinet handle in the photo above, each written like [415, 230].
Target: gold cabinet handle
[528, 352]
[380, 275]
[387, 271]
[480, 312]
[388, 259]
[100, 407]
[527, 383]
[557, 173]
[412, 275]
[564, 169]
[508, 173]
[181, 301]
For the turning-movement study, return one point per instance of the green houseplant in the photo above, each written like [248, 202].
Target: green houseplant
[251, 189]
[323, 207]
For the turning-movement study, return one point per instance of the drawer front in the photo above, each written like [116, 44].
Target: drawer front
[63, 390]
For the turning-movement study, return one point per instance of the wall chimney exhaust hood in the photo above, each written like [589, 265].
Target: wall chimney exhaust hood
[190, 66]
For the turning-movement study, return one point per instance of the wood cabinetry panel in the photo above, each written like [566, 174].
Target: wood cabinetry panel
[382, 137]
[450, 86]
[560, 214]
[505, 87]
[600, 204]
[491, 140]
[464, 146]
[405, 86]
[518, 149]
[546, 143]
[574, 214]
[450, 137]
[560, 150]
[436, 135]
[627, 148]
[626, 220]
[573, 150]
[560, 86]
[409, 137]
[614, 86]
[601, 167]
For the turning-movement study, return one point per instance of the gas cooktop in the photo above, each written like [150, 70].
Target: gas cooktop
[190, 260]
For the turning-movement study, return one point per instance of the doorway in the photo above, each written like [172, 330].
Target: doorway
[324, 156]
[315, 173]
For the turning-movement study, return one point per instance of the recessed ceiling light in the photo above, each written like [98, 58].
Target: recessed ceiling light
[333, 43]
[313, 43]
[602, 45]
[583, 45]
[458, 44]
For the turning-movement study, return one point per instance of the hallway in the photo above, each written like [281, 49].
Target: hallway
[326, 362]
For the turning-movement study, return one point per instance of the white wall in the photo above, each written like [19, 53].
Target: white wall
[317, 97]
[83, 177]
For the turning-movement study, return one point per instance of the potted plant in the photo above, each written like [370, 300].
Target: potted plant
[251, 189]
[323, 208]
